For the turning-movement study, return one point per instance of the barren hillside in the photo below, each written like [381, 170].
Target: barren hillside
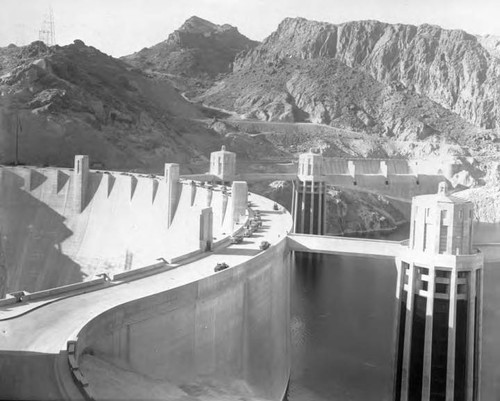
[198, 49]
[457, 70]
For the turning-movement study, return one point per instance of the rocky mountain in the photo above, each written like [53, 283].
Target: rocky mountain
[198, 48]
[459, 71]
[75, 99]
[327, 91]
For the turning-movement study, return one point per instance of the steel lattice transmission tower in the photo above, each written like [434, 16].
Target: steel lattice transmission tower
[47, 33]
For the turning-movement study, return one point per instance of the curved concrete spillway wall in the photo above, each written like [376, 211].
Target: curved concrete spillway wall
[50, 236]
[231, 327]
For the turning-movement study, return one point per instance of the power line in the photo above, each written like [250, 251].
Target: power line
[47, 33]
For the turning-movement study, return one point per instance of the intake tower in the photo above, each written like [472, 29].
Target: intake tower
[439, 302]
[309, 195]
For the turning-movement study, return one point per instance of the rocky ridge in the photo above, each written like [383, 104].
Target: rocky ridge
[326, 91]
[77, 100]
[198, 49]
[457, 70]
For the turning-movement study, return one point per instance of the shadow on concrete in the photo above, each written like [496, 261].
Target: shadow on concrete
[133, 183]
[155, 189]
[93, 185]
[28, 376]
[31, 238]
[37, 179]
[62, 179]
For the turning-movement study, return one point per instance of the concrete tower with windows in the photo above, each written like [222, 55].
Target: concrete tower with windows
[309, 195]
[439, 303]
[223, 165]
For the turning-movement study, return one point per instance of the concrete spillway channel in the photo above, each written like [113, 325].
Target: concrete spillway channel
[174, 330]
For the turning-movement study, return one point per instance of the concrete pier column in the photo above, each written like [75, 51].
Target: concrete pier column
[210, 194]
[471, 325]
[80, 182]
[383, 168]
[206, 229]
[193, 192]
[414, 170]
[400, 271]
[294, 206]
[239, 193]
[324, 209]
[303, 206]
[321, 194]
[479, 346]
[225, 198]
[172, 189]
[311, 216]
[452, 329]
[405, 378]
[351, 166]
[429, 316]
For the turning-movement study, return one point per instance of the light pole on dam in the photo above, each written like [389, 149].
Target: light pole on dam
[439, 304]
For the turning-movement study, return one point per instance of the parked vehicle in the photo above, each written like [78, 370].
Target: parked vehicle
[264, 245]
[220, 266]
[256, 224]
[275, 206]
[247, 233]
[236, 239]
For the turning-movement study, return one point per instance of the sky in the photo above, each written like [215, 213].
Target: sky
[120, 27]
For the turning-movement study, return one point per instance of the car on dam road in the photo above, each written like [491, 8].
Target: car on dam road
[220, 266]
[264, 245]
[236, 239]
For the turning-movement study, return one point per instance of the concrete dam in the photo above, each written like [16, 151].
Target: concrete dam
[110, 290]
[151, 303]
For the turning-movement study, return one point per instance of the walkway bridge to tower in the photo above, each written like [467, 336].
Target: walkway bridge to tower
[342, 245]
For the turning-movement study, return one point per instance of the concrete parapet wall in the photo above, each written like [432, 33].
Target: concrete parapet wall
[76, 288]
[402, 187]
[231, 326]
[341, 166]
[142, 271]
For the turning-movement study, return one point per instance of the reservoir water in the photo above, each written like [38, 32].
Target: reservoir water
[342, 325]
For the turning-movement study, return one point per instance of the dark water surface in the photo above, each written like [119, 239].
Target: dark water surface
[342, 325]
